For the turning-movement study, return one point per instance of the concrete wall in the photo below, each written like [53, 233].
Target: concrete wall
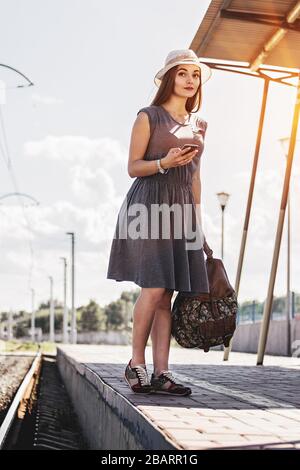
[107, 419]
[246, 338]
[118, 338]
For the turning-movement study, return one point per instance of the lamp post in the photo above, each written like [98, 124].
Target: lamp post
[223, 198]
[32, 316]
[51, 323]
[285, 141]
[65, 314]
[10, 325]
[73, 314]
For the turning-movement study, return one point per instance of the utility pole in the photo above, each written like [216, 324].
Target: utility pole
[73, 314]
[65, 315]
[10, 327]
[288, 282]
[285, 142]
[32, 316]
[51, 323]
[223, 198]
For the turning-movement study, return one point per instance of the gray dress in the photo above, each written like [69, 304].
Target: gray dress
[161, 262]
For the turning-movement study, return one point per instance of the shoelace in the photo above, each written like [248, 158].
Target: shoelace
[142, 375]
[169, 375]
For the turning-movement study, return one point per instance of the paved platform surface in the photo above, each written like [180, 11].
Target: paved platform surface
[234, 404]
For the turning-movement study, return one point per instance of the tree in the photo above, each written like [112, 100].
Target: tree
[127, 298]
[44, 305]
[115, 313]
[131, 295]
[4, 316]
[20, 330]
[90, 317]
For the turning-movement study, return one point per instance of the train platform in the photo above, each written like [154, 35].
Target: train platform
[234, 404]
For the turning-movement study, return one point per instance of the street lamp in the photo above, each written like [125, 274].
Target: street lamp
[10, 325]
[65, 314]
[73, 314]
[285, 142]
[223, 198]
[51, 322]
[32, 315]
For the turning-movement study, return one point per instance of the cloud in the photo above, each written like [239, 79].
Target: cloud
[48, 100]
[49, 223]
[95, 168]
[104, 152]
[89, 185]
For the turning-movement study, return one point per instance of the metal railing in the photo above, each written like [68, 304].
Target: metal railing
[253, 312]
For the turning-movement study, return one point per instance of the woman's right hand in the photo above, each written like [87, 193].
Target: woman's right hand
[178, 157]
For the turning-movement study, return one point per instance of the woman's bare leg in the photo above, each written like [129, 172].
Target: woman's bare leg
[143, 314]
[161, 333]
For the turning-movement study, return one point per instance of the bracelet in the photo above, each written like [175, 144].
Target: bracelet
[160, 168]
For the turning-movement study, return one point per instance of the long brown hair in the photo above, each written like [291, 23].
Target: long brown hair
[166, 89]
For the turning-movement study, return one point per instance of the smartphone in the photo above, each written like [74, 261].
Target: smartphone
[193, 146]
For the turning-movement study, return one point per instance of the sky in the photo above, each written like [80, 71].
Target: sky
[67, 138]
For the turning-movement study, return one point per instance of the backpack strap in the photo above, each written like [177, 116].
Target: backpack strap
[207, 250]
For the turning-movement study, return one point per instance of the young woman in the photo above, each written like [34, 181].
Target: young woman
[166, 176]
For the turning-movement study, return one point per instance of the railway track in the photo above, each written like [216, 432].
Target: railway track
[41, 415]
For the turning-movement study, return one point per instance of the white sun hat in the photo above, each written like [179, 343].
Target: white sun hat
[183, 56]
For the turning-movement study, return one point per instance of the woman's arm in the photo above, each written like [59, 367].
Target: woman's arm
[196, 190]
[140, 136]
[196, 187]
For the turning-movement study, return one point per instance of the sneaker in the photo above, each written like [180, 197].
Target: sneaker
[137, 378]
[166, 384]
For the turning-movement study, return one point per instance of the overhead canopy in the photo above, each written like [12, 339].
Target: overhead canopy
[253, 31]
